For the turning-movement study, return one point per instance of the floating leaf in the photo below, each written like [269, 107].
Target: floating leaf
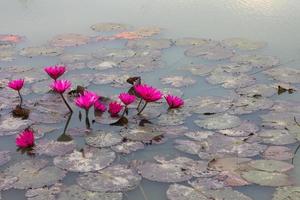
[102, 139]
[141, 133]
[178, 81]
[75, 192]
[4, 157]
[101, 65]
[210, 52]
[10, 38]
[138, 34]
[34, 174]
[112, 179]
[191, 41]
[70, 58]
[257, 90]
[181, 192]
[263, 178]
[54, 148]
[69, 40]
[207, 184]
[122, 121]
[243, 44]
[223, 121]
[41, 51]
[246, 105]
[199, 70]
[7, 181]
[40, 130]
[10, 125]
[7, 55]
[128, 147]
[258, 61]
[149, 44]
[199, 135]
[43, 193]
[225, 194]
[278, 153]
[208, 104]
[271, 165]
[285, 193]
[277, 137]
[284, 74]
[230, 80]
[246, 128]
[233, 68]
[230, 178]
[106, 27]
[89, 159]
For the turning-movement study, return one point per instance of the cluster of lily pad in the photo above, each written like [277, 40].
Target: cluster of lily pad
[241, 138]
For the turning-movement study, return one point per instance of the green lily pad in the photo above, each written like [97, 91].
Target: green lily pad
[271, 165]
[189, 41]
[7, 56]
[272, 179]
[7, 181]
[101, 65]
[10, 125]
[210, 52]
[223, 121]
[199, 70]
[69, 58]
[233, 68]
[54, 148]
[181, 192]
[34, 174]
[112, 179]
[225, 194]
[178, 81]
[48, 193]
[41, 51]
[258, 61]
[116, 55]
[103, 139]
[149, 44]
[199, 135]
[277, 137]
[243, 44]
[4, 157]
[278, 153]
[75, 192]
[284, 74]
[230, 80]
[287, 193]
[245, 129]
[246, 105]
[188, 146]
[128, 147]
[106, 27]
[69, 40]
[141, 133]
[208, 104]
[257, 90]
[89, 159]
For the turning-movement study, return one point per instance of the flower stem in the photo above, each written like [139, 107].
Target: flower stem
[139, 104]
[21, 99]
[87, 120]
[70, 109]
[124, 111]
[142, 109]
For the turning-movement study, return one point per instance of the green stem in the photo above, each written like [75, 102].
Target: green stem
[87, 120]
[21, 99]
[139, 104]
[142, 108]
[70, 109]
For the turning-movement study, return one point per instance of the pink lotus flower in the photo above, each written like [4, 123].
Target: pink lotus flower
[86, 100]
[99, 106]
[148, 93]
[114, 108]
[25, 139]
[55, 71]
[60, 86]
[16, 84]
[174, 101]
[126, 98]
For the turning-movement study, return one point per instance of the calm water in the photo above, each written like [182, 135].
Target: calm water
[273, 21]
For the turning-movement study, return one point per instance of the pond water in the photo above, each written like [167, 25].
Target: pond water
[234, 138]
